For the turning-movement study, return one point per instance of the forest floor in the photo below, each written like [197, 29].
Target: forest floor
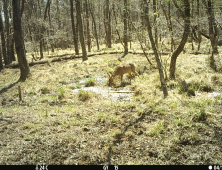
[69, 115]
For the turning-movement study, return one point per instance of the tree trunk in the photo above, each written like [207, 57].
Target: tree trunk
[198, 25]
[41, 43]
[87, 27]
[154, 21]
[7, 30]
[11, 46]
[81, 36]
[1, 63]
[108, 25]
[186, 33]
[11, 37]
[74, 31]
[94, 25]
[169, 24]
[6, 61]
[125, 28]
[159, 64]
[19, 42]
[212, 25]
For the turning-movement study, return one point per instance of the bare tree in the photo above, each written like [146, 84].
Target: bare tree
[108, 24]
[159, 64]
[125, 39]
[167, 15]
[74, 31]
[94, 25]
[186, 16]
[154, 21]
[1, 64]
[19, 42]
[213, 32]
[7, 29]
[87, 26]
[6, 61]
[80, 28]
[43, 29]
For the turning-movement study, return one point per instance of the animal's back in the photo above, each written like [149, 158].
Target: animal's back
[124, 68]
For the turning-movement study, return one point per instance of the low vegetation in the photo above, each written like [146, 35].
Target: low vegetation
[59, 121]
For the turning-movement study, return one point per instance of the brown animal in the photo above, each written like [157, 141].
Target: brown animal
[122, 69]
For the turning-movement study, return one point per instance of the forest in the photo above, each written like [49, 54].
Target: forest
[110, 82]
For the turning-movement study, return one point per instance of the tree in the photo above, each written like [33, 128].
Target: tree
[87, 27]
[108, 24]
[154, 21]
[7, 30]
[47, 8]
[186, 17]
[94, 25]
[1, 64]
[19, 42]
[125, 39]
[6, 61]
[160, 67]
[169, 22]
[74, 31]
[212, 25]
[80, 28]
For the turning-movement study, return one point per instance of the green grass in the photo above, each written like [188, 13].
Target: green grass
[90, 82]
[156, 129]
[61, 93]
[83, 95]
[45, 90]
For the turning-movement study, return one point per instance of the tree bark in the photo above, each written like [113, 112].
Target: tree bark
[94, 25]
[169, 24]
[74, 31]
[198, 25]
[1, 63]
[154, 21]
[108, 25]
[7, 30]
[125, 38]
[80, 28]
[19, 42]
[186, 33]
[6, 61]
[41, 43]
[213, 32]
[159, 64]
[87, 27]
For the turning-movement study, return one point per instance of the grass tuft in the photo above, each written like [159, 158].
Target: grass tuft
[90, 82]
[83, 95]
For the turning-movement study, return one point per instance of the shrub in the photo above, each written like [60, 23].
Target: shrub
[61, 93]
[183, 86]
[90, 82]
[44, 90]
[190, 92]
[201, 116]
[83, 95]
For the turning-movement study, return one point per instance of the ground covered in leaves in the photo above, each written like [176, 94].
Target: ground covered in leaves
[60, 122]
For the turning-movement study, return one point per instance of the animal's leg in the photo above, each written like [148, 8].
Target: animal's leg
[121, 76]
[130, 76]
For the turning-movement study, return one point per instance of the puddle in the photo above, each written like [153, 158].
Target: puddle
[214, 94]
[106, 92]
[99, 80]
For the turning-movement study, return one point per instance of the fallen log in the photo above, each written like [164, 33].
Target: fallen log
[32, 63]
[16, 65]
